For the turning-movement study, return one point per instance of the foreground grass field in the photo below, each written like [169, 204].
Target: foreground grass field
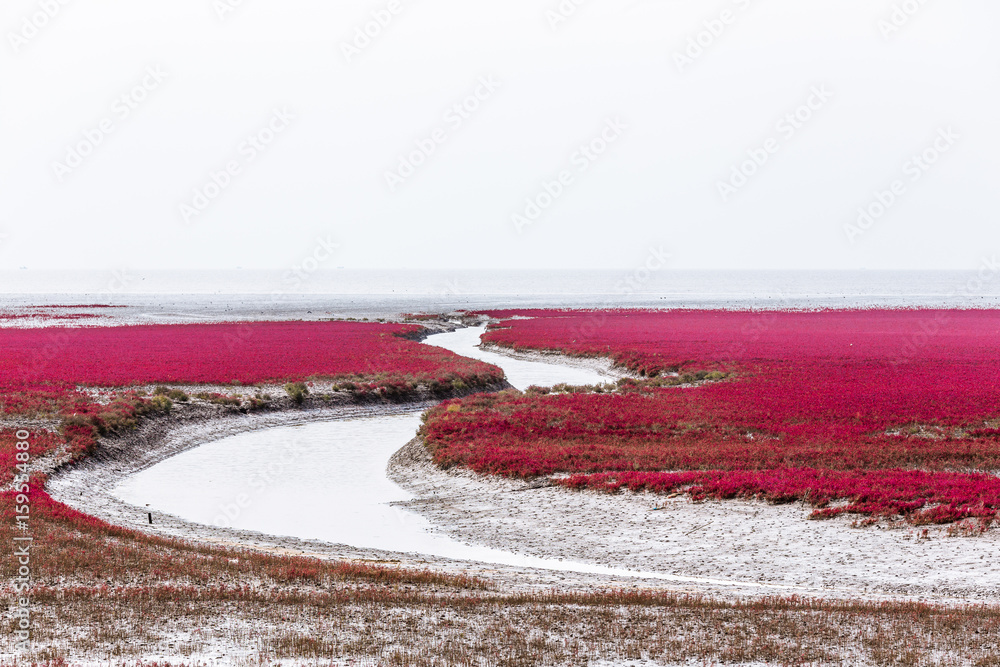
[114, 595]
[104, 595]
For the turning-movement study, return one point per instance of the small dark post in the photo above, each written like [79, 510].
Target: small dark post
[150, 516]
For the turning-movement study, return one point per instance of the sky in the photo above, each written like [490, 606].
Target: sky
[456, 134]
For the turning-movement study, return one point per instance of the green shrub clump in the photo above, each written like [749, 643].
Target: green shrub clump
[297, 391]
[172, 394]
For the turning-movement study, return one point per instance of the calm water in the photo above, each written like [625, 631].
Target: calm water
[521, 374]
[163, 295]
[327, 481]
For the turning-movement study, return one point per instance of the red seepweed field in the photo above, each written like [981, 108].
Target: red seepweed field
[246, 353]
[43, 370]
[40, 369]
[91, 583]
[879, 413]
[108, 594]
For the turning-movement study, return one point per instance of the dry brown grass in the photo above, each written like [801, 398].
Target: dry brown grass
[108, 594]
[435, 629]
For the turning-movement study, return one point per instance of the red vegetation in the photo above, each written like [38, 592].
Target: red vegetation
[892, 411]
[80, 306]
[75, 557]
[55, 312]
[40, 443]
[248, 353]
[49, 316]
[42, 369]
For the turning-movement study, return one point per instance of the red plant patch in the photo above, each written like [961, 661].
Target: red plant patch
[892, 411]
[41, 369]
[49, 316]
[89, 306]
[248, 353]
[40, 443]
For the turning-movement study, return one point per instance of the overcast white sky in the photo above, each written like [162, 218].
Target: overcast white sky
[679, 129]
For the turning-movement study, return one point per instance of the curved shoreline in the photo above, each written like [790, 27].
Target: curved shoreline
[731, 540]
[603, 365]
[741, 548]
[87, 486]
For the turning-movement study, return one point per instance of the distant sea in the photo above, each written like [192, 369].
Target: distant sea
[373, 293]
